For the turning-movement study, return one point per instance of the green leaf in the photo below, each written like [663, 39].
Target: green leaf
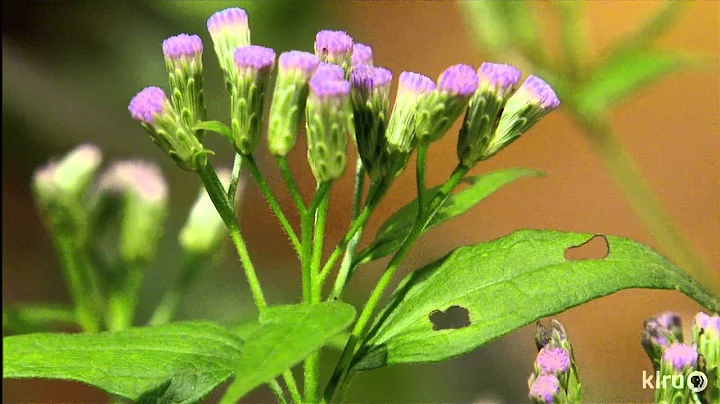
[178, 363]
[393, 232]
[506, 284]
[288, 334]
[215, 126]
[624, 75]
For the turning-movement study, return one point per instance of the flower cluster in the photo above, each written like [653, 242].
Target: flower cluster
[341, 93]
[679, 364]
[555, 378]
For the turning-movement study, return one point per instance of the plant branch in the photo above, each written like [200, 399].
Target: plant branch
[286, 172]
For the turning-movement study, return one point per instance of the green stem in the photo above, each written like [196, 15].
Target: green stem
[312, 363]
[425, 214]
[86, 314]
[642, 198]
[25, 319]
[278, 391]
[292, 387]
[320, 224]
[226, 210]
[272, 201]
[375, 195]
[286, 172]
[123, 297]
[346, 264]
[235, 179]
[168, 306]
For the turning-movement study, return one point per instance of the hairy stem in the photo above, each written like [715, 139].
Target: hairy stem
[170, 302]
[235, 178]
[286, 172]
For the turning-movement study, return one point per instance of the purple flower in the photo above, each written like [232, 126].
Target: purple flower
[330, 71]
[553, 360]
[148, 104]
[303, 62]
[333, 46]
[228, 19]
[500, 75]
[142, 177]
[544, 389]
[410, 82]
[324, 87]
[362, 55]
[669, 320]
[254, 57]
[460, 80]
[680, 356]
[182, 46]
[540, 92]
[367, 77]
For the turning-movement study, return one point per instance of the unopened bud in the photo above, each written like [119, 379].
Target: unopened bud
[204, 229]
[183, 59]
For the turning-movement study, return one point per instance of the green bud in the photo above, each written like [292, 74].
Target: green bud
[204, 229]
[183, 59]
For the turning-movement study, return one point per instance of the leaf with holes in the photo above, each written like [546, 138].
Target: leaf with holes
[178, 363]
[286, 336]
[505, 284]
[393, 232]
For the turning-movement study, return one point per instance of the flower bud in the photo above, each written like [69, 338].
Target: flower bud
[413, 89]
[532, 101]
[335, 47]
[229, 30]
[183, 59]
[289, 97]
[659, 333]
[142, 191]
[442, 108]
[329, 121]
[253, 65]
[362, 55]
[706, 332]
[204, 229]
[497, 83]
[370, 97]
[546, 389]
[63, 182]
[153, 109]
[555, 357]
[678, 361]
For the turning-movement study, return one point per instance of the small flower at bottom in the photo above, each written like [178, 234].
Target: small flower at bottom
[545, 390]
[229, 30]
[556, 358]
[329, 120]
[335, 47]
[204, 229]
[295, 69]
[142, 193]
[442, 108]
[253, 65]
[678, 361]
[533, 100]
[370, 97]
[183, 59]
[413, 89]
[496, 83]
[659, 333]
[167, 130]
[706, 332]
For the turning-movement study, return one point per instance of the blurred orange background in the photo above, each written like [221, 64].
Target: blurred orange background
[670, 128]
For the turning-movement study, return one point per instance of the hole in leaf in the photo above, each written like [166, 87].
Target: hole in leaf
[596, 248]
[453, 318]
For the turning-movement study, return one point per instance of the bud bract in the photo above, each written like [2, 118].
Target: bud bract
[370, 97]
[413, 89]
[63, 182]
[444, 105]
[706, 333]
[335, 47]
[496, 83]
[289, 97]
[532, 101]
[142, 194]
[204, 229]
[167, 130]
[229, 30]
[253, 65]
[329, 121]
[362, 55]
[183, 59]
